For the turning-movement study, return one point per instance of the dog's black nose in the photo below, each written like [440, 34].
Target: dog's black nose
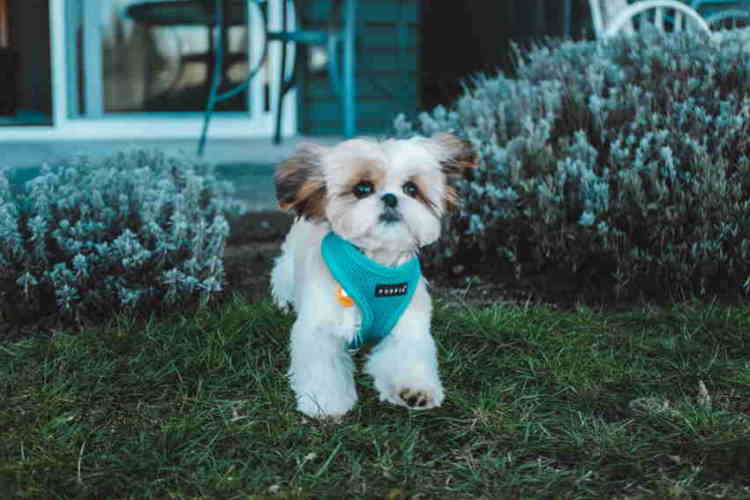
[390, 200]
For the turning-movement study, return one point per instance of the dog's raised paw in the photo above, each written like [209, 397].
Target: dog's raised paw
[418, 399]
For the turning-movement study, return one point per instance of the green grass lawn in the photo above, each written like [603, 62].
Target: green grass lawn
[540, 404]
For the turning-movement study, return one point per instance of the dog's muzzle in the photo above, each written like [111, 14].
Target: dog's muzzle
[390, 212]
[390, 216]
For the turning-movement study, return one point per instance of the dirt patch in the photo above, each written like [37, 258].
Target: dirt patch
[256, 239]
[254, 242]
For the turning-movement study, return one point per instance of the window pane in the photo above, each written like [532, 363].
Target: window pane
[158, 55]
[25, 75]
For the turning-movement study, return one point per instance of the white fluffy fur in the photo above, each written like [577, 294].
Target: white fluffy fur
[404, 365]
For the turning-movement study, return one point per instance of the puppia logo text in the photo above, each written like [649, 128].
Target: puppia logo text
[391, 290]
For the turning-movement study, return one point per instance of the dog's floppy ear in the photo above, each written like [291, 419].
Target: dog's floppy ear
[456, 158]
[300, 185]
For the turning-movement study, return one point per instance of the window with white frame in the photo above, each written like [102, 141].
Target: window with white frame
[135, 56]
[25, 69]
[112, 68]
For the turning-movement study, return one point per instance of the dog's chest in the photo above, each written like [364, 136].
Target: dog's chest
[380, 293]
[348, 321]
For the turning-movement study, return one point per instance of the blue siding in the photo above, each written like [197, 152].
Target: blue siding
[387, 68]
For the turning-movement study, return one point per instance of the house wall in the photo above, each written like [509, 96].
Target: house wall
[463, 38]
[414, 55]
[387, 74]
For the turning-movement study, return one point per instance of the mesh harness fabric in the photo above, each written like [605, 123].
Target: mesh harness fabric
[381, 293]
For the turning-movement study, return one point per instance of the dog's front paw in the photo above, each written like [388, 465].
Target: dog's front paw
[415, 385]
[420, 399]
[325, 407]
[414, 397]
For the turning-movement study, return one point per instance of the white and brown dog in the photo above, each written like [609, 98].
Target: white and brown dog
[365, 207]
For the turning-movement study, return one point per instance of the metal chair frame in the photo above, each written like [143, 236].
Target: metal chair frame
[342, 76]
[214, 96]
[335, 38]
[682, 16]
[725, 10]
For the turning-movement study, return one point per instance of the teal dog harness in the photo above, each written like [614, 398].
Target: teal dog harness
[381, 293]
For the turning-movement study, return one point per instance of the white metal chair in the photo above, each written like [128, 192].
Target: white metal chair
[724, 14]
[727, 17]
[613, 17]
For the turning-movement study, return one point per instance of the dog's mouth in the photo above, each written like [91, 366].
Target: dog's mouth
[390, 216]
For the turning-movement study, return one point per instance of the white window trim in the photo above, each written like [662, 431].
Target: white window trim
[224, 125]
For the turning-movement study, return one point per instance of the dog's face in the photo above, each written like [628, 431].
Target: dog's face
[376, 194]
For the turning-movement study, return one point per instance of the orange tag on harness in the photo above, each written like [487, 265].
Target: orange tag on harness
[343, 298]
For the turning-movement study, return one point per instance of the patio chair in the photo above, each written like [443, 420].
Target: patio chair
[181, 13]
[337, 37]
[613, 17]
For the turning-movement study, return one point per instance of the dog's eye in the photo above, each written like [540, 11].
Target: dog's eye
[411, 189]
[363, 189]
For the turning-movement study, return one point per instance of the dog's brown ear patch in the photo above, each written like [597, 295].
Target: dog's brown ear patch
[458, 156]
[300, 185]
[451, 199]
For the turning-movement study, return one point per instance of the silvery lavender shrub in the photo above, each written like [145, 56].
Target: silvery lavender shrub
[632, 154]
[135, 230]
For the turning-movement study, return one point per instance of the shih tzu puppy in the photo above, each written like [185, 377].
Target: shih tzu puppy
[349, 266]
